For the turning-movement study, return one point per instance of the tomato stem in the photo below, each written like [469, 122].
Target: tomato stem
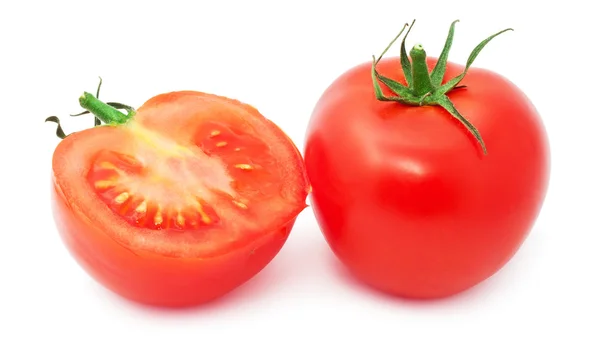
[420, 74]
[423, 88]
[104, 112]
[93, 103]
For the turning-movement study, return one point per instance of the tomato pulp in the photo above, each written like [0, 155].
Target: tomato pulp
[179, 202]
[405, 195]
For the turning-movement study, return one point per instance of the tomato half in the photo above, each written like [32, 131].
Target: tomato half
[404, 194]
[181, 202]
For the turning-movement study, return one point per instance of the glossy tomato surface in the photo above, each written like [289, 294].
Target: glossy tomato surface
[405, 196]
[183, 203]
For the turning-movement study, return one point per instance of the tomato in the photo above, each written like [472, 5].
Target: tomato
[180, 201]
[424, 192]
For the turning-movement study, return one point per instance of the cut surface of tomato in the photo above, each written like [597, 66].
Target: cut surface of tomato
[189, 176]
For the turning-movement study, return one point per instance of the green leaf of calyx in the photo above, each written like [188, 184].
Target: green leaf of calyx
[406, 68]
[79, 114]
[396, 86]
[440, 67]
[378, 92]
[120, 106]
[456, 80]
[59, 131]
[449, 106]
[97, 121]
[403, 93]
[391, 43]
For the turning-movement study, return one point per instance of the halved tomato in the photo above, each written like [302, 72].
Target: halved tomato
[180, 201]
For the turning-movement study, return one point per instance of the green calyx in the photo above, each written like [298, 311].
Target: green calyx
[104, 113]
[422, 87]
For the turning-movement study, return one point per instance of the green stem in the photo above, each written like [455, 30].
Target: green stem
[420, 74]
[101, 110]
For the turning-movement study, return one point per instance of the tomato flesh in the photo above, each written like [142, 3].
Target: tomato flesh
[172, 186]
[192, 178]
[146, 198]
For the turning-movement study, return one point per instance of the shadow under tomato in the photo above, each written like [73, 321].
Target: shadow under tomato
[492, 287]
[289, 267]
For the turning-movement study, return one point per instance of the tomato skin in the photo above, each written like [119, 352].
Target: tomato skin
[405, 197]
[157, 280]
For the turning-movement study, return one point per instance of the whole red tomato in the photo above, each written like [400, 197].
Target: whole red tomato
[430, 187]
[179, 202]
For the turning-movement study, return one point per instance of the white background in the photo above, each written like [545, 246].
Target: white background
[279, 57]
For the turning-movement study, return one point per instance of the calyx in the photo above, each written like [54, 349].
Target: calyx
[107, 113]
[424, 88]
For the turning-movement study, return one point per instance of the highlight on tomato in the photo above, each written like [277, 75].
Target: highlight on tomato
[427, 176]
[178, 202]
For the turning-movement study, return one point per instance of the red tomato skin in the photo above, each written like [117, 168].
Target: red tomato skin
[157, 280]
[405, 197]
